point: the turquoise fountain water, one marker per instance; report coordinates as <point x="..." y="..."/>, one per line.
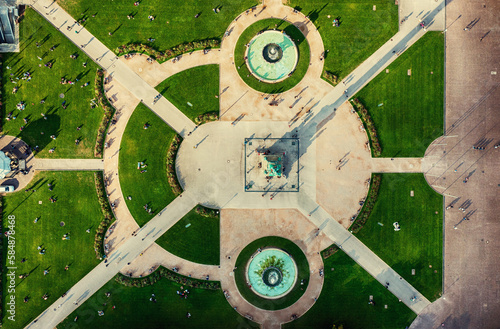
<point x="271" y="273"/>
<point x="271" y="56"/>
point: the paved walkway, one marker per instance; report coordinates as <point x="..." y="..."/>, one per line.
<point x="362" y="255"/>
<point x="68" y="164"/>
<point x="116" y="68"/>
<point x="221" y="191"/>
<point x="130" y="249"/>
<point x="237" y="99"/>
<point x="471" y="280"/>
<point x="238" y="229"/>
<point x="154" y="73"/>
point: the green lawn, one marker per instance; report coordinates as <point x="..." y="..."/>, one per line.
<point x="290" y="30"/>
<point x="360" y="33"/>
<point x="199" y="242"/>
<point x="198" y="86"/>
<point x="344" y="300"/>
<point x="77" y="206"/>
<point x="411" y="116"/>
<point x="302" y="273"/>
<point x="419" y="243"/>
<point x="133" y="309"/>
<point x="149" y="146"/>
<point x="174" y="21"/>
<point x="45" y="85"/>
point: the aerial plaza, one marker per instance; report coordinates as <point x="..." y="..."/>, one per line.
<point x="237" y="164"/>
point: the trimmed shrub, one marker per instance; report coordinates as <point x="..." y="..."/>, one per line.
<point x="107" y="213"/>
<point x="365" y="212"/>
<point x="171" y="174"/>
<point x="369" y="127"/>
<point x="109" y="112"/>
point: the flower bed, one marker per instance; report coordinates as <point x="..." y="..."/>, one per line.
<point x="106" y="211"/>
<point x="369" y="126"/>
<point x="330" y="251"/>
<point x="207" y="212"/>
<point x="206" y="117"/>
<point x="162" y="272"/>
<point x="162" y="56"/>
<point x="109" y="111"/>
<point x="330" y="77"/>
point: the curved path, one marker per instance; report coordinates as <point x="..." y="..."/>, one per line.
<point x="315" y="94"/>
<point x="154" y="73"/>
<point x="237" y="99"/>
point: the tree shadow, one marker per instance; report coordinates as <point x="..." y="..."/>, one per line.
<point x="314" y="14"/>
<point x="32" y="133"/>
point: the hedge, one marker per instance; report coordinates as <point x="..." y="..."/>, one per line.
<point x="107" y="213"/>
<point x="162" y="272"/>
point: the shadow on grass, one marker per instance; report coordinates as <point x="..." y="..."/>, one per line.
<point x="32" y="133"/>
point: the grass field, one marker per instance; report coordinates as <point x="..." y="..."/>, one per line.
<point x="174" y="22"/>
<point x="133" y="309"/>
<point x="198" y="86"/>
<point x="199" y="242"/>
<point x="77" y="206"/>
<point x="149" y="146"/>
<point x="361" y="31"/>
<point x="411" y="116"/>
<point x="45" y="86"/>
<point x="419" y="243"/>
<point x="302" y="273"/>
<point x="344" y="300"/>
<point x="292" y="32"/>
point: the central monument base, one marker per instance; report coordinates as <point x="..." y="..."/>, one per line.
<point x="271" y="164"/>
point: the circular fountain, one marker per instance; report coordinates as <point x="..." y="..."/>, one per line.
<point x="271" y="273"/>
<point x="271" y="56"/>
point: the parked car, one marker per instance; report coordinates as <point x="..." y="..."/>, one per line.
<point x="6" y="188"/>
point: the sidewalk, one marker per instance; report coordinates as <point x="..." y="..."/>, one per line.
<point x="362" y="255"/>
<point x="116" y="68"/>
<point x="131" y="248"/>
<point x="68" y="164"/>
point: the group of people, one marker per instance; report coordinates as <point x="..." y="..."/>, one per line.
<point x="148" y="209"/>
<point x="183" y="293"/>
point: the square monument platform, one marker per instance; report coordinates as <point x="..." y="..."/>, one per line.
<point x="271" y="165"/>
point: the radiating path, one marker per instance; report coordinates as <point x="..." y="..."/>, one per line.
<point x="130" y="249"/>
<point x="396" y="165"/>
<point x="68" y="164"/>
<point x="104" y="57"/>
<point x="362" y="255"/>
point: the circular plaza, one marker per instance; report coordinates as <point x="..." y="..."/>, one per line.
<point x="246" y="193"/>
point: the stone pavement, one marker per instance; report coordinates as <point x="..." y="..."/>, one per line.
<point x="237" y="99"/>
<point x="154" y="73"/>
<point x="240" y="227"/>
<point x="362" y="255"/>
<point x="130" y="249"/>
<point x="124" y="103"/>
<point x="116" y="68"/>
<point x="224" y="185"/>
<point x="471" y="296"/>
<point x="68" y="164"/>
